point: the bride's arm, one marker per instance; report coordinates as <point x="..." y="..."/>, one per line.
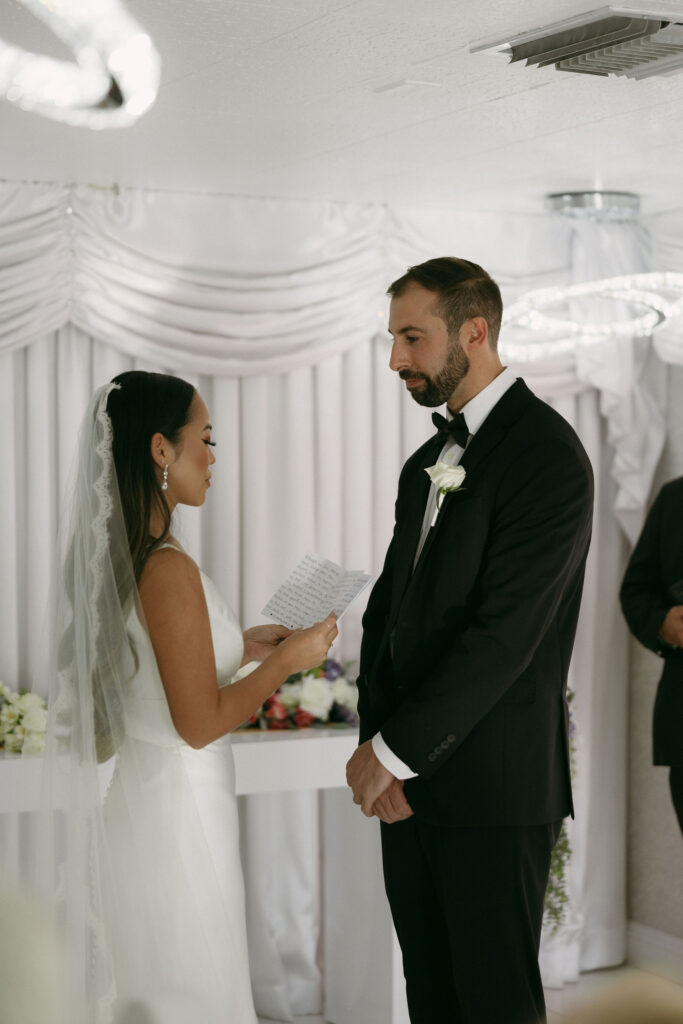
<point x="177" y="619"/>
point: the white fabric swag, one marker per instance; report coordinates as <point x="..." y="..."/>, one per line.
<point x="229" y="288"/>
<point x="276" y="311"/>
<point x="243" y="287"/>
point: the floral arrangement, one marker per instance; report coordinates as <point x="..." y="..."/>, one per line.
<point x="320" y="695"/>
<point x="556" y="896"/>
<point x="23" y="720"/>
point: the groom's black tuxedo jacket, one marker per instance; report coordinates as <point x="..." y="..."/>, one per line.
<point x="464" y="660"/>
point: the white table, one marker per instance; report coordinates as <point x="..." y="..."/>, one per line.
<point x="275" y="761"/>
<point x="265" y="762"/>
<point x="363" y="975"/>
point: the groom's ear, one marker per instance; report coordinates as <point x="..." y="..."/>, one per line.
<point x="474" y="333"/>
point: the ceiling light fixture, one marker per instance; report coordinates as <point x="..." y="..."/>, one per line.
<point x="659" y="294"/>
<point x="114" y="80"/>
<point x="594" y="205"/>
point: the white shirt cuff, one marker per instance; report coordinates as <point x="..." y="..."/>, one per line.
<point x="392" y="763"/>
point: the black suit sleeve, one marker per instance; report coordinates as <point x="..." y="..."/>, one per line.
<point x="377" y="610"/>
<point x="536" y="554"/>
<point x="374" y="623"/>
<point x="643" y="595"/>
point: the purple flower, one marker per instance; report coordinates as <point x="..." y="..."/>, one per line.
<point x="340" y="714"/>
<point x="332" y="669"/>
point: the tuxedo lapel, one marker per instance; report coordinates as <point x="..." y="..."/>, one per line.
<point x="414" y="517"/>
<point x="492" y="431"/>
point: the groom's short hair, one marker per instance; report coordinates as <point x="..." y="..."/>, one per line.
<point x="464" y="289"/>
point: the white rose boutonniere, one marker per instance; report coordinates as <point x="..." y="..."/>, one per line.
<point x="446" y="478"/>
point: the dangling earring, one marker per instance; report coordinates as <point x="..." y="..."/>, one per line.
<point x="164" y="483"/>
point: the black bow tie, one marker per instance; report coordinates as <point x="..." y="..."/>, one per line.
<point x="455" y="428"/>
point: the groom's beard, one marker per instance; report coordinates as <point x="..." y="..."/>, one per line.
<point x="437" y="390"/>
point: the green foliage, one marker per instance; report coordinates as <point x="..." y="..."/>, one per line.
<point x="556" y="897"/>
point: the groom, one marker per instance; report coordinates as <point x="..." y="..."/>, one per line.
<point x="467" y="639"/>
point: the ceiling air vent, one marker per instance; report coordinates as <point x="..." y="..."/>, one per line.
<point x="608" y="41"/>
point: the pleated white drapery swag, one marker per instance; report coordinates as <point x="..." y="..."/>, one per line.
<point x="276" y="311"/>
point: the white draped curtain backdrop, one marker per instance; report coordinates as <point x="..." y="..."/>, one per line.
<point x="276" y="311"/>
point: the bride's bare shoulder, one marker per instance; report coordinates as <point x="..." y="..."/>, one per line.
<point x="166" y="566"/>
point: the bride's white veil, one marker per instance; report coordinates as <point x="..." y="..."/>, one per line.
<point x="92" y="659"/>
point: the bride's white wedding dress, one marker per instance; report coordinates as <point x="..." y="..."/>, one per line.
<point x="174" y="894"/>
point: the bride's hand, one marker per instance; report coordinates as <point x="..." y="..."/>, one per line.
<point x="261" y="641"/>
<point x="307" y="648"/>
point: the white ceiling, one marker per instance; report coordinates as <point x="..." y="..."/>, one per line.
<point x="287" y="98"/>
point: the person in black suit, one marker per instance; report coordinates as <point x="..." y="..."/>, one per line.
<point x="652" y="601"/>
<point x="464" y="751"/>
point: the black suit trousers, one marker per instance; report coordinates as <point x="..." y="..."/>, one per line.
<point x="467" y="905"/>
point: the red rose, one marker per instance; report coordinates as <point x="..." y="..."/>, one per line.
<point x="275" y="708"/>
<point x="304" y="719"/>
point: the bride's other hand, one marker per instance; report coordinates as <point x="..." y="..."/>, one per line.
<point x="307" y="648"/>
<point x="261" y="641"/>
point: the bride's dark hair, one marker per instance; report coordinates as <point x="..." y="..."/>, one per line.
<point x="145" y="404"/>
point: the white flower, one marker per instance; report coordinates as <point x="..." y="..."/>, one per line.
<point x="446" y="478"/>
<point x="316" y="697"/>
<point x="10" y="714"/>
<point x="5" y="692"/>
<point x="290" y="695"/>
<point x="34" y="743"/>
<point x="345" y="694"/>
<point x="29" y="701"/>
<point x="15" y="741"/>
<point x="35" y="720"/>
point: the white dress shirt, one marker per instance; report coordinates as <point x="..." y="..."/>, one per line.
<point x="475" y="412"/>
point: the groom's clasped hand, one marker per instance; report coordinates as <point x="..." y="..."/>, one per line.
<point x="392" y="805"/>
<point x="375" y="788"/>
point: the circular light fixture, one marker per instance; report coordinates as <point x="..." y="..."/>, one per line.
<point x="115" y="77"/>
<point x="660" y="295"/>
<point x="594" y="205"/>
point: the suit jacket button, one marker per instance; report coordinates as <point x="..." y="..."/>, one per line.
<point x="451" y="738"/>
<point x="444" y="745"/>
<point x="431" y="757"/>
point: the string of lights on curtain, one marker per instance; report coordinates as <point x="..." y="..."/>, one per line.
<point x="115" y="76"/>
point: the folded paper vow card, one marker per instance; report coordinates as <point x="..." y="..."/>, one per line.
<point x="313" y="589"/>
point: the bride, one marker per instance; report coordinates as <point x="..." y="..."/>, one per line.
<point x="151" y="895"/>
